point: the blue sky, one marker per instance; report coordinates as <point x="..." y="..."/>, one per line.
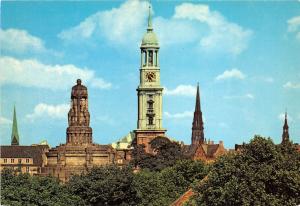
<point x="245" y="56"/>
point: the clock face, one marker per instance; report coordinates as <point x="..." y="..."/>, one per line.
<point x="150" y="76"/>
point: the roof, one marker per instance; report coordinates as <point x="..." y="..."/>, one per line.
<point x="211" y="149"/>
<point x="34" y="152"/>
<point x="125" y="142"/>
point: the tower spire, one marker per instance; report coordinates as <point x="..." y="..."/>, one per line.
<point x="197" y="129"/>
<point x="14" y="132"/>
<point x="285" y="133"/>
<point x="149" y="20"/>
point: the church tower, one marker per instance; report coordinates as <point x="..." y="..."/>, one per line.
<point x="285" y="133"/>
<point x="149" y="91"/>
<point x="79" y="131"/>
<point x="14" y="132"/>
<point x="197" y="129"/>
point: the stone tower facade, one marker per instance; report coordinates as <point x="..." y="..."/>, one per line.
<point x="79" y="131"/>
<point x="79" y="154"/>
<point x="197" y="129"/>
<point x="285" y="133"/>
<point x="149" y="91"/>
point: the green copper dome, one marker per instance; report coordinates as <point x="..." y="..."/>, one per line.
<point x="150" y="38"/>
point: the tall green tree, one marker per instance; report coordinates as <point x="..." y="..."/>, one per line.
<point x="261" y="174"/>
<point x="166" y="154"/>
<point x="23" y="189"/>
<point x="164" y="187"/>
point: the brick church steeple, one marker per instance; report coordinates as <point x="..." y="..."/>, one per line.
<point x="197" y="129"/>
<point x="285" y="133"/>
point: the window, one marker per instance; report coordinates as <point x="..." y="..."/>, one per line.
<point x="12" y="160"/>
<point x="19" y="161"/>
<point x="150" y="58"/>
<point x="150" y="120"/>
<point x="5" y="160"/>
<point x="27" y="160"/>
<point x="27" y="169"/>
<point x="150" y="104"/>
<point x="145" y="58"/>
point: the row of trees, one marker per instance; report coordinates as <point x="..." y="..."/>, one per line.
<point x="262" y="173"/>
<point x="108" y="185"/>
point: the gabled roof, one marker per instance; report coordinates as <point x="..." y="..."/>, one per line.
<point x="15" y="151"/>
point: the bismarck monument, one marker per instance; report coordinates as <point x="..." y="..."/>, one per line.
<point x="79" y="154"/>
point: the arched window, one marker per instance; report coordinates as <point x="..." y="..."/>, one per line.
<point x="150" y="58"/>
<point x="150" y="119"/>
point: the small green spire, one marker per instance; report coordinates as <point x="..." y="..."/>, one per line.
<point x="149" y="20"/>
<point x="15" y="133"/>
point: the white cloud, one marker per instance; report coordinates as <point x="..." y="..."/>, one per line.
<point x="245" y="96"/>
<point x="53" y="111"/>
<point x="181" y="90"/>
<point x="100" y="83"/>
<point x="223" y="35"/>
<point x="32" y="73"/>
<point x="294" y="26"/>
<point x="190" y="23"/>
<point x="185" y="114"/>
<point x="231" y="74"/>
<point x="281" y="117"/>
<point x="5" y="121"/>
<point x="269" y="79"/>
<point x="20" y="41"/>
<point x="122" y="25"/>
<point x="291" y="85"/>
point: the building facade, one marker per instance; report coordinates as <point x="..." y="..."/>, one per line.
<point x="79" y="154"/>
<point x="22" y="159"/>
<point x="149" y="91"/>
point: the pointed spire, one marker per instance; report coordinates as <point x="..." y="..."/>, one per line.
<point x="15" y="133"/>
<point x="197" y="129"/>
<point x="197" y="105"/>
<point x="149" y="20"/>
<point x="285" y="133"/>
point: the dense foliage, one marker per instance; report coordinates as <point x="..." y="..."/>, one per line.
<point x="261" y="174"/>
<point x="112" y="185"/>
<point x="167" y="153"/>
<point x="109" y="185"/>
<point x="164" y="187"/>
<point x="23" y="189"/>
